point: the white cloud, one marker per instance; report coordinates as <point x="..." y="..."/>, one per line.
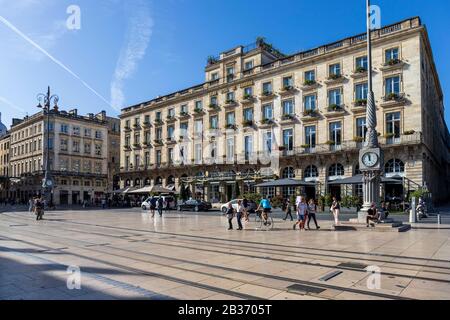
<point x="136" y="42"/>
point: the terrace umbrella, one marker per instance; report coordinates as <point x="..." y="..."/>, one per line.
<point x="358" y="179"/>
<point x="286" y="183"/>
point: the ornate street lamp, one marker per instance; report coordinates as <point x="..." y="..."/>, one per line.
<point x="45" y="100"/>
<point x="371" y="158"/>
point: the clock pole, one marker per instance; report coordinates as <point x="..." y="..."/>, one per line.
<point x="47" y="182"/>
<point x="371" y="157"/>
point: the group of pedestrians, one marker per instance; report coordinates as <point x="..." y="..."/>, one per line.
<point x="305" y="213"/>
<point x="158" y="204"/>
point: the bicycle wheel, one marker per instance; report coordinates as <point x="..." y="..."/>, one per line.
<point x="266" y="225"/>
<point x="258" y="218"/>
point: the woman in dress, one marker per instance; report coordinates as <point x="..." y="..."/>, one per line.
<point x="336" y="209"/>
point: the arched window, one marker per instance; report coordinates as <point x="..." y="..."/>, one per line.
<point x="288" y="172"/>
<point x="311" y="172"/>
<point x="147" y="182"/>
<point x="336" y="170"/>
<point x="137" y="182"/>
<point x="394" y="166"/>
<point x="127" y="183"/>
<point x="158" y="181"/>
<point x="357" y="170"/>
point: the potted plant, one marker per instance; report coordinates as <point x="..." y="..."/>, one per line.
<point x="158" y="122"/>
<point x="230" y="101"/>
<point x="247" y="96"/>
<point x="198" y="110"/>
<point x="309" y="82"/>
<point x="288" y="88"/>
<point x="393" y="62"/>
<point x="288" y="116"/>
<point x="266" y="121"/>
<point x="392" y="96"/>
<point x="409" y="132"/>
<point x="389" y="135"/>
<point x="358" y="139"/>
<point x="330" y="143"/>
<point x="247" y="123"/>
<point x="213" y="105"/>
<point x="267" y="93"/>
<point x="334" y="76"/>
<point x="360" y="69"/>
<point x="183" y="114"/>
<point x="282" y="148"/>
<point x="309" y="113"/>
<point x="230" y="126"/>
<point x="361" y="102"/>
<point x="305" y="146"/>
<point x="211" y="60"/>
<point x="334" y="107"/>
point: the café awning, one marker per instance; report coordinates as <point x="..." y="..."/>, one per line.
<point x="358" y="179"/>
<point x="286" y="183"/>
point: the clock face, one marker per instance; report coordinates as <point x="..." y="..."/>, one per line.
<point x="49" y="183"/>
<point x="370" y="159"/>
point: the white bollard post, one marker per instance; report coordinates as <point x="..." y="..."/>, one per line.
<point x="439" y="219"/>
<point x="412" y="211"/>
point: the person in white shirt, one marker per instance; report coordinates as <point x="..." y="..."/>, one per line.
<point x="239" y="212"/>
<point x="302" y="212"/>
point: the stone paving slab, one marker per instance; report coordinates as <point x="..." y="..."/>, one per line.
<point x="125" y="254"/>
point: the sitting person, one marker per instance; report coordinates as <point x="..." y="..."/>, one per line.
<point x="372" y="214"/>
<point x="384" y="211"/>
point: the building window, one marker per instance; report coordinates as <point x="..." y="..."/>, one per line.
<point x="391" y="55"/>
<point x="127" y="141"/>
<point x="248" y="65"/>
<point x="230" y="74"/>
<point x="98" y="149"/>
<point x="361" y="64"/>
<point x="198" y="127"/>
<point x="336" y="170"/>
<point x="335" y="134"/>
<point x="335" y="70"/>
<point x="361" y="128"/>
<point x="248" y="92"/>
<point x="87" y="148"/>
<point x="248" y="147"/>
<point x="230" y="118"/>
<point x="230" y="97"/>
<point x="214" y="122"/>
<point x="76" y="131"/>
<point x="147" y="137"/>
<point x="288" y="82"/>
<point x="267" y="142"/>
<point x="393" y="126"/>
<point x="214" y="76"/>
<point x="392" y="86"/>
<point x="198" y="105"/>
<point x="171" y="113"/>
<point x="267" y="88"/>
<point x="394" y="167"/>
<point x="184" y="128"/>
<point x="170" y="155"/>
<point x="64" y="128"/>
<point x="288" y="173"/>
<point x="310" y="136"/>
<point x="198" y="153"/>
<point x="76" y="165"/>
<point x="137" y="161"/>
<point x="170" y="132"/>
<point x="288" y="139"/>
<point x="248" y="114"/>
<point x="98" y="134"/>
<point x="310" y="102"/>
<point x="230" y="149"/>
<point x="147" y="159"/>
<point x="361" y="91"/>
<point x="310" y="76"/>
<point x="334" y="97"/>
<point x="64" y="146"/>
<point x="267" y="112"/>
<point x="288" y="107"/>
<point x="311" y="172"/>
<point x="76" y="146"/>
<point x="159" y="134"/>
<point x="184" y="109"/>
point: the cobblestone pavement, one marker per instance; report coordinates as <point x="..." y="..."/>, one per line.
<point x="126" y="254"/>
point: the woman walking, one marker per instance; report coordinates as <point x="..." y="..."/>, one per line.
<point x="336" y="209"/>
<point x="230" y="215"/>
<point x="312" y="210"/>
<point x="240" y="212"/>
<point x="288" y="210"/>
<point x="302" y="210"/>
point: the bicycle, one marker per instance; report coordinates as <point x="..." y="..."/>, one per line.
<point x="264" y="224"/>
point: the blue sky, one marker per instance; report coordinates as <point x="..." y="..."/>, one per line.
<point x="129" y="51"/>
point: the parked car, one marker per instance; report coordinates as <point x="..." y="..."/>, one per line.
<point x="252" y="205"/>
<point x="194" y="205"/>
<point x="146" y="204"/>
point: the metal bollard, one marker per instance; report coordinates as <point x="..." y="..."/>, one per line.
<point x="439" y="219"/>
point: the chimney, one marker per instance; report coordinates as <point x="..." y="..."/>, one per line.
<point x="73" y="112"/>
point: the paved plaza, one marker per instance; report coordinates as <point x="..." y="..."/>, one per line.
<point x="126" y="254"/>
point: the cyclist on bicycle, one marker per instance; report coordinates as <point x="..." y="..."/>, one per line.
<point x="266" y="208"/>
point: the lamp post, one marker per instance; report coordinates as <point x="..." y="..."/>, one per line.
<point x="371" y="159"/>
<point x="45" y="100"/>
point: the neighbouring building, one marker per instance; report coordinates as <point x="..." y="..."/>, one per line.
<point x="82" y="149"/>
<point x="4" y="165"/>
<point x="305" y="110"/>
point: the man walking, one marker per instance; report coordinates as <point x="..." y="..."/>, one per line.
<point x="288" y="210"/>
<point x="160" y="206"/>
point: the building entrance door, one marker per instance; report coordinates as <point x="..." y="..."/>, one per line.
<point x="63" y="197"/>
<point x="335" y="191"/>
<point x="229" y="192"/>
<point x="310" y="192"/>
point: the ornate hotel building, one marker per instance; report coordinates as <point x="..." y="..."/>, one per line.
<point x="305" y="110"/>
<point x="82" y="154"/>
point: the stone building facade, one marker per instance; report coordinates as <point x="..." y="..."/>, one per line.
<point x="80" y="152"/>
<point x="306" y="112"/>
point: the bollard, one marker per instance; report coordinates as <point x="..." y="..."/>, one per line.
<point x="412" y="212"/>
<point x="439" y="219"/>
